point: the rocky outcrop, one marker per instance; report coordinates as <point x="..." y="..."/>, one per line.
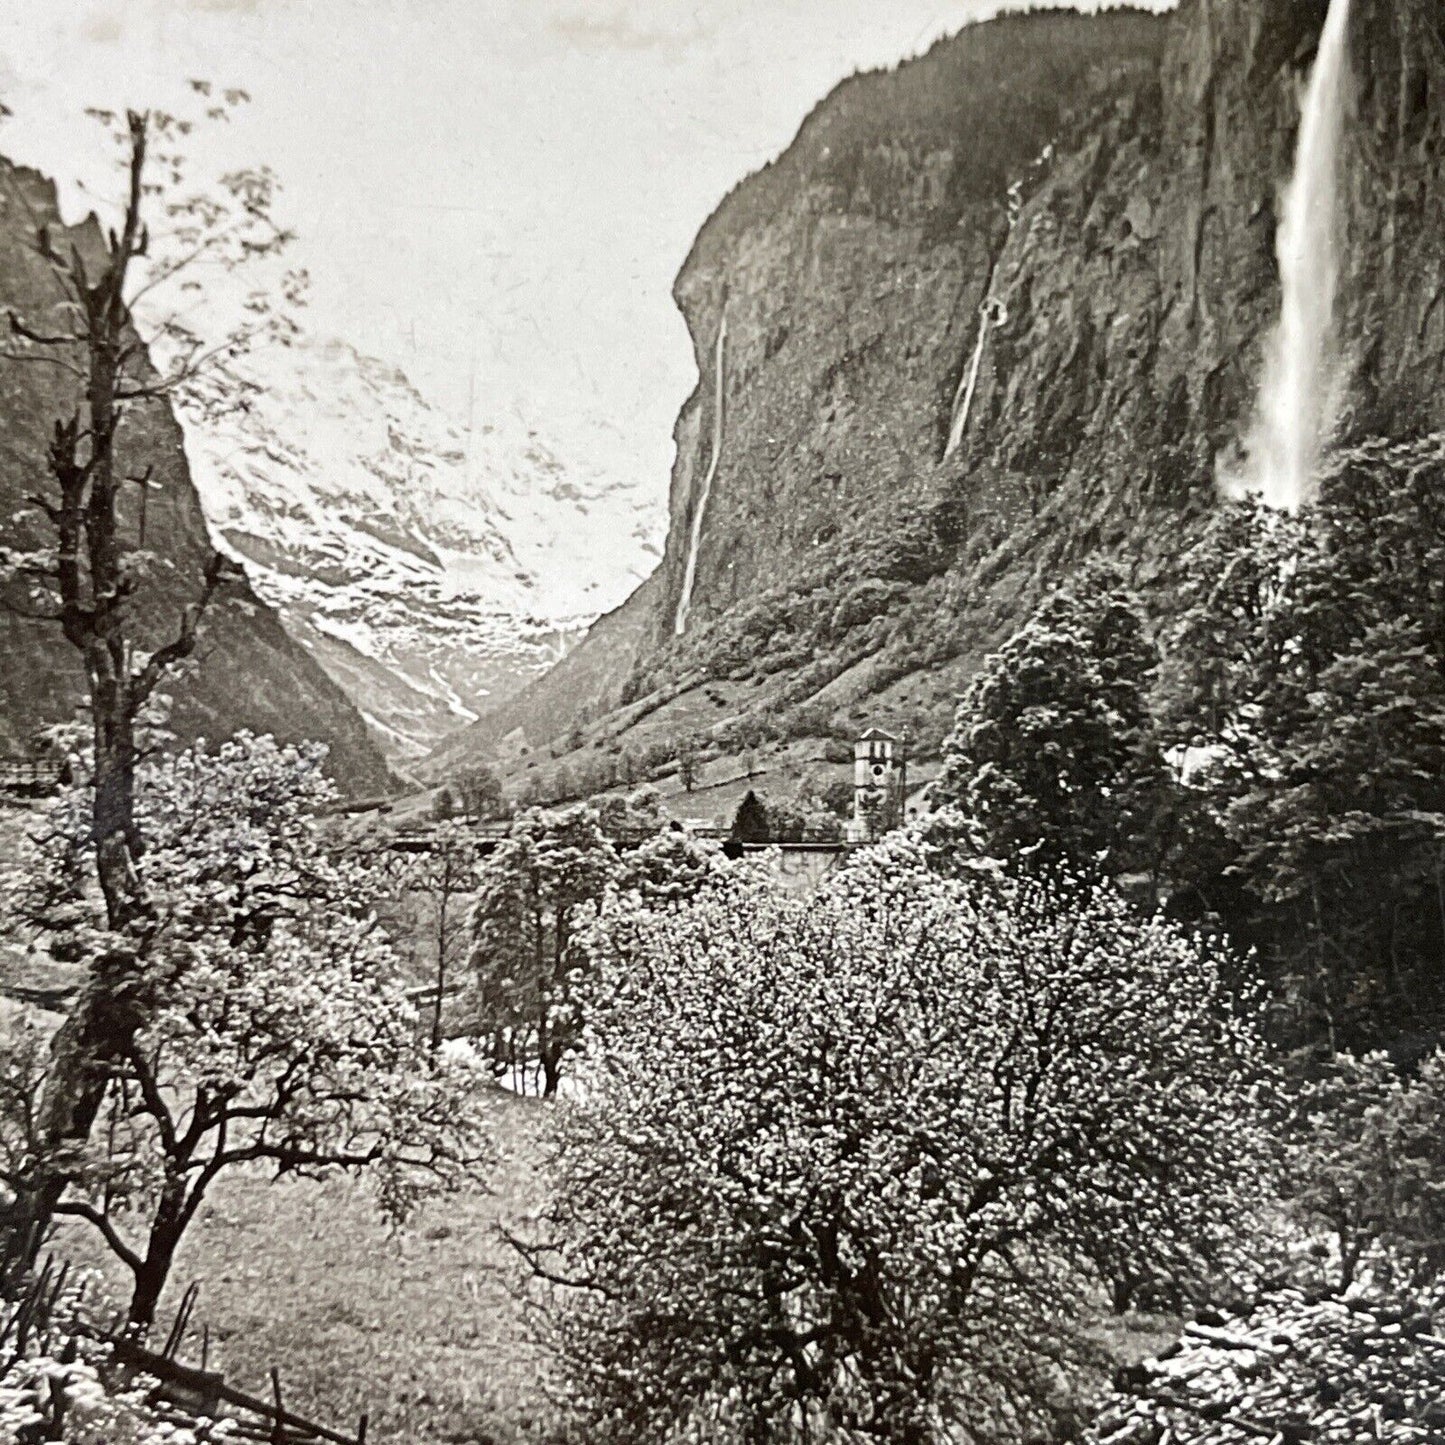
<point x="250" y="674"/>
<point x="1109" y="186"/>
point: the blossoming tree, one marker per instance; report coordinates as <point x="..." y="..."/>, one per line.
<point x="862" y="1165"/>
<point x="67" y="558"/>
<point x="271" y="1027"/>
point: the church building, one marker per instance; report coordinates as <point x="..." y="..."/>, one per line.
<point x="880" y="785"/>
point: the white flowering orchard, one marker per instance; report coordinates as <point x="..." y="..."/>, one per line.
<point x="271" y="1022"/>
<point x="858" y="1166"/>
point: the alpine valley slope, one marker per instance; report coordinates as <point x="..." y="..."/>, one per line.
<point x="250" y="673"/>
<point x="1109" y="187"/>
<point x="428" y="569"/>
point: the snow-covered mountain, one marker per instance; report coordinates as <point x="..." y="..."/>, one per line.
<point x="431" y="571"/>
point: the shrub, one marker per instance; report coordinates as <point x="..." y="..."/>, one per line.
<point x="807" y="719"/>
<point x="478" y="792"/>
<point x="862" y="603"/>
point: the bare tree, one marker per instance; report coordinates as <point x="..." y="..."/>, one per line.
<point x="87" y="577"/>
<point x="446" y="877"/>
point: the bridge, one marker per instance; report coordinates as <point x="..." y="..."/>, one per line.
<point x="799" y="867"/>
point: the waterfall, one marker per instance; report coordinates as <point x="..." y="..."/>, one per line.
<point x="1298" y="398"/>
<point x="699" y="510"/>
<point x="991" y="313"/>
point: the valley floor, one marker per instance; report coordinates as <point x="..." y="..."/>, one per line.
<point x="420" y="1330"/>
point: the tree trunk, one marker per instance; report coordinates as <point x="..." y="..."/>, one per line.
<point x="150" y="1280"/>
<point x="173" y="1213"/>
<point x="436" y="1022"/>
<point x="100" y="1027"/>
<point x="551" y="1071"/>
<point x="106" y="1015"/>
<point x="94" y="589"/>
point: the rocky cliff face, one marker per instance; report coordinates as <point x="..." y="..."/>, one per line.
<point x="1108" y="189"/>
<point x="250" y="673"/>
<point x="852" y="273"/>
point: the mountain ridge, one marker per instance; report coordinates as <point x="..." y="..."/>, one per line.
<point x="428" y="567"/>
<point x="249" y="673"/>
<point x="1108" y="188"/>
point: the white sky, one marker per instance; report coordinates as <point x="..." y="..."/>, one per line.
<point x="493" y="194"/>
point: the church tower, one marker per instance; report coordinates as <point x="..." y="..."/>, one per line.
<point x="879" y="782"/>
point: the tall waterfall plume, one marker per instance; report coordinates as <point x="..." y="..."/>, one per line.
<point x="1299" y="396"/>
<point x="699" y="510"/>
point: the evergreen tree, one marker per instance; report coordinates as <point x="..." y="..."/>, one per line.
<point x="531" y="894"/>
<point x="1052" y="755"/>
<point x="535" y="896"/>
<point x="1308" y="675"/>
<point x="479" y="792"/>
<point x="689" y="761"/>
<point x="750" y="822"/>
<point x="1344" y="837"/>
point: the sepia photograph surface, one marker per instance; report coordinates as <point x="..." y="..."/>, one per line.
<point x="722" y="722"/>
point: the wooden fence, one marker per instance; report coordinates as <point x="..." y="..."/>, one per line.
<point x="183" y="1393"/>
<point x="28" y="778"/>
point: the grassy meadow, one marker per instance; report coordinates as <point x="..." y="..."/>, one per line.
<point x="419" y="1329"/>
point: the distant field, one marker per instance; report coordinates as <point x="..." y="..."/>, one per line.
<point x="420" y="1330"/>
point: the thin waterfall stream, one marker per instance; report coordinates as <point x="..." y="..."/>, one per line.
<point x="699" y="511"/>
<point x="993" y="313"/>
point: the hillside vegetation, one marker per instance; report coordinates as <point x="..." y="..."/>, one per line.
<point x="1112" y="185"/>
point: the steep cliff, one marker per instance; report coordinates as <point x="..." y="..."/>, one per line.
<point x="250" y="673"/>
<point x="1084" y="209"/>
